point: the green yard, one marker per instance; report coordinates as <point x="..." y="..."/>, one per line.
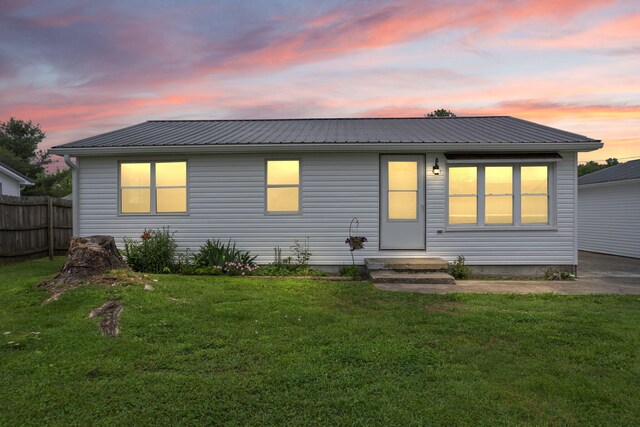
<point x="253" y="351"/>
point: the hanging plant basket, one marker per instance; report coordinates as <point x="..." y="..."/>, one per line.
<point x="354" y="240"/>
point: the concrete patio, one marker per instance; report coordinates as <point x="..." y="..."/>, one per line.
<point x="597" y="274"/>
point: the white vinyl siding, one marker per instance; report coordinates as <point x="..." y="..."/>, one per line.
<point x="609" y="218"/>
<point x="10" y="187"/>
<point x="226" y="201"/>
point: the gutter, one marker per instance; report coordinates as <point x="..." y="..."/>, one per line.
<point x="331" y="147"/>
<point x="75" y="193"/>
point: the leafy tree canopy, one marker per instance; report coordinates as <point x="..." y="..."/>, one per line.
<point x="19" y="147"/>
<point x="19" y="141"/>
<point x="441" y="113"/>
<point x="592" y="166"/>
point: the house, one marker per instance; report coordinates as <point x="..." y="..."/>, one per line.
<point x="11" y="181"/>
<point x="609" y="210"/>
<point x="499" y="190"/>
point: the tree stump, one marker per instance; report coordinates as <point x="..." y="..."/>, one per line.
<point x="87" y="257"/>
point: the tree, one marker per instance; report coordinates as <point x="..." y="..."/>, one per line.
<point x="55" y="184"/>
<point x="19" y="147"/>
<point x="441" y="113"/>
<point x="19" y="142"/>
<point x="592" y="166"/>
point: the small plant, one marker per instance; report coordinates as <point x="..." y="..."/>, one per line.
<point x="555" y="274"/>
<point x="356" y="242"/>
<point x="153" y="253"/>
<point x="301" y="252"/>
<point x="296" y="265"/>
<point x="352" y="271"/>
<point x="215" y="253"/>
<point x="458" y="269"/>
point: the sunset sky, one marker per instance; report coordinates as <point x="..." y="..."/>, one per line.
<point x="83" y="68"/>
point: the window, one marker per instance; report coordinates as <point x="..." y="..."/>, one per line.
<point x="153" y="187"/>
<point x="535" y="194"/>
<point x="499" y="195"/>
<point x="135" y="183"/>
<point x="403" y="190"/>
<point x="283" y="186"/>
<point x="171" y="187"/>
<point x="463" y="195"/>
<point x="498" y="190"/>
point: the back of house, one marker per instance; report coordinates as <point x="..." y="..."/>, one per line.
<point x="499" y="190"/>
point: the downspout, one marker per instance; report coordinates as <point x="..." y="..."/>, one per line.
<point x="75" y="194"/>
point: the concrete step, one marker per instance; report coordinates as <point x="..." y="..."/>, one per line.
<point x="407" y="264"/>
<point x="431" y="278"/>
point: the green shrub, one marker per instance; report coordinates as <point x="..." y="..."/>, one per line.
<point x="352" y="271"/>
<point x="153" y="253"/>
<point x="555" y="274"/>
<point x="458" y="269"/>
<point x="226" y="257"/>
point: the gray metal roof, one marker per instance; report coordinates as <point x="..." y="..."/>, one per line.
<point x="621" y="172"/>
<point x="494" y="129"/>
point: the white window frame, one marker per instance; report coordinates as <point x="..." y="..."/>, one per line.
<point x="152" y="188"/>
<point x="267" y="186"/>
<point x="516" y="199"/>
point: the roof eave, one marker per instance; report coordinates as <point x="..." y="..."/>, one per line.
<point x="342" y="147"/>
<point x="605" y="183"/>
<point x="22" y="180"/>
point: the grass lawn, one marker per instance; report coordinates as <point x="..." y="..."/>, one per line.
<point x="216" y="350"/>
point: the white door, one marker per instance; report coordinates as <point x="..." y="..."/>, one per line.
<point x="402" y="210"/>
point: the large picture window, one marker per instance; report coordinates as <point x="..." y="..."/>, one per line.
<point x="498" y="195"/>
<point x="153" y="187"/>
<point x="283" y="186"/>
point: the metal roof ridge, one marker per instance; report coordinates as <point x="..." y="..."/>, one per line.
<point x="326" y="119"/>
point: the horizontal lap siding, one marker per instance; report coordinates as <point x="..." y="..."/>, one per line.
<point x="505" y="247"/>
<point x="10" y="187"/>
<point x="609" y="219"/>
<point x="226" y="201"/>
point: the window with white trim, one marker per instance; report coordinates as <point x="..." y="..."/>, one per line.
<point x="498" y="195"/>
<point x="283" y="186"/>
<point x="153" y="187"/>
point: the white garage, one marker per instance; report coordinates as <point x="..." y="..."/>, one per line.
<point x="609" y="210"/>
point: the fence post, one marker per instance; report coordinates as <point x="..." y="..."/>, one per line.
<point x="50" y="226"/>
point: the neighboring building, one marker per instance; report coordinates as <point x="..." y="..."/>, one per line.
<point x="609" y="210"/>
<point x="499" y="190"/>
<point x="11" y="181"/>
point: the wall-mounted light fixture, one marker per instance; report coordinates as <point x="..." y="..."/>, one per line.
<point x="436" y="168"/>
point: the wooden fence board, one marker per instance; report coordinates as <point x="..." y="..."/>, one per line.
<point x="33" y="227"/>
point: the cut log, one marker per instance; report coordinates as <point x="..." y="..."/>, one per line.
<point x="87" y="257"/>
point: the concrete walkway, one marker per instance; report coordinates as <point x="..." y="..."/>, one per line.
<point x="598" y="274"/>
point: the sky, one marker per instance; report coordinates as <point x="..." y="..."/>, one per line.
<point x="84" y="68"/>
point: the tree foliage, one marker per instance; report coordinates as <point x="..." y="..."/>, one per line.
<point x="19" y="150"/>
<point x="441" y="112"/>
<point x="592" y="166"/>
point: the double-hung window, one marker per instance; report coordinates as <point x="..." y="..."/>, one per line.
<point x="153" y="187"/>
<point x="283" y="186"/>
<point x="498" y="195"/>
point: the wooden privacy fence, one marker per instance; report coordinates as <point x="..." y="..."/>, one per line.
<point x="33" y="227"/>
